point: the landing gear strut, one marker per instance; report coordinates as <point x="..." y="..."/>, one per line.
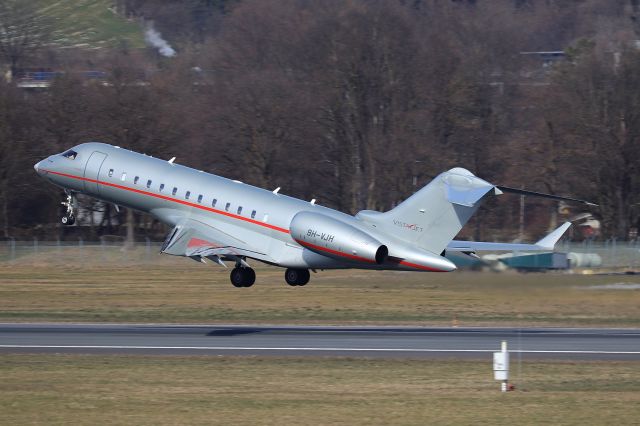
<point x="69" y="217"/>
<point x="242" y="277"/>
<point x="297" y="277"/>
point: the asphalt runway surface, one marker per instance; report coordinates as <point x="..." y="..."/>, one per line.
<point x="261" y="340"/>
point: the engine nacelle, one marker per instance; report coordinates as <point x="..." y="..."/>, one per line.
<point x="334" y="238"/>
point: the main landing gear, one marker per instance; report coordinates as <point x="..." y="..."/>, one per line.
<point x="69" y="217"/>
<point x="243" y="277"/>
<point x="297" y="277"/>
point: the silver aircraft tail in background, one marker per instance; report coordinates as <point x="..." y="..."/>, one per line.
<point x="222" y="220"/>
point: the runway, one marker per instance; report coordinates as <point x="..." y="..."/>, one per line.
<point x="261" y="340"/>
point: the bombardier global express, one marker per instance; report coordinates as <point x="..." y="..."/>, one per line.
<point x="222" y="220"/>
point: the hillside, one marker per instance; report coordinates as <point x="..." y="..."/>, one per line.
<point x="91" y="24"/>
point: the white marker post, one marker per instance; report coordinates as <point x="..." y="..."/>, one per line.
<point x="501" y="366"/>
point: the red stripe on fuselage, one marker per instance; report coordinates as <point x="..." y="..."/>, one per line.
<point x="234" y="216"/>
<point x="336" y="252"/>
<point x="164" y="197"/>
<point x="416" y="266"/>
<point x="363" y="259"/>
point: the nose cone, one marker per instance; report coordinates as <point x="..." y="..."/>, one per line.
<point x="40" y="168"/>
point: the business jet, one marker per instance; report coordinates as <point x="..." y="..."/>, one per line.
<point x="225" y="220"/>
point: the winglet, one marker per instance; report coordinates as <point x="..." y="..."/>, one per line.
<point x="550" y="240"/>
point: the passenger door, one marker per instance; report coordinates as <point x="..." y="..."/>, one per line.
<point x="92" y="170"/>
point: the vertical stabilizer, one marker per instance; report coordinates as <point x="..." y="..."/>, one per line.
<point x="434" y="215"/>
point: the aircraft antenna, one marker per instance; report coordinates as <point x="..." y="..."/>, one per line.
<point x="172" y="160"/>
<point x="275" y="191"/>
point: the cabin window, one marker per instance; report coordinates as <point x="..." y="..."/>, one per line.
<point x="124" y="176"/>
<point x="175" y="191"/>
<point x="71" y="154"/>
<point x="240" y="210"/>
<point x="226" y="208"/>
<point x="253" y="214"/>
<point x="200" y="198"/>
<point x="149" y="183"/>
<point x="110" y="172"/>
<point x="213" y="203"/>
<point x="187" y="195"/>
<point x="161" y="187"/>
<point x="136" y="179"/>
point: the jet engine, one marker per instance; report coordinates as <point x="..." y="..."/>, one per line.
<point x="334" y="238"/>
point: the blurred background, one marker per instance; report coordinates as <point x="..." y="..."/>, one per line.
<point x="356" y="103"/>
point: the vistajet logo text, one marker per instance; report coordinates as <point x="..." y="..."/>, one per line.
<point x="409" y="226"/>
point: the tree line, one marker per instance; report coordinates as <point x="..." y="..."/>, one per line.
<point x="356" y="103"/>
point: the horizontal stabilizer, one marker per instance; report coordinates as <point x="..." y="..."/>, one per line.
<point x="541" y="195"/>
<point x="545" y="244"/>
<point x="550" y="240"/>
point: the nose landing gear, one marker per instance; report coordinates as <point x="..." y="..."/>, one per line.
<point x="69" y="217"/>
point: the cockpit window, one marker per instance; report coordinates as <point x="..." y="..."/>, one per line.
<point x="71" y="154"/>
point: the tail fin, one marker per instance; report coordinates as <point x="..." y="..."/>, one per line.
<point x="434" y="215"/>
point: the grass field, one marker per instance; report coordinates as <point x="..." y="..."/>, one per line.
<point x="91" y="24"/>
<point x="100" y="285"/>
<point x="180" y="290"/>
<point x="75" y="389"/>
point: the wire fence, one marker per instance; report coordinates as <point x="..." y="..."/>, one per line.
<point x="610" y="254"/>
<point x="81" y="252"/>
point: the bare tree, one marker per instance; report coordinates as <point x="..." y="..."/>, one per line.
<point x="595" y="108"/>
<point x="23" y="30"/>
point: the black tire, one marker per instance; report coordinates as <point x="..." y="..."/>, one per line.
<point x="249" y="276"/>
<point x="68" y="220"/>
<point x="242" y="277"/>
<point x="304" y="277"/>
<point x="237" y="277"/>
<point x="291" y="277"/>
<point x="296" y="277"/>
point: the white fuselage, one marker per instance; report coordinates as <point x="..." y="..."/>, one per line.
<point x="258" y="218"/>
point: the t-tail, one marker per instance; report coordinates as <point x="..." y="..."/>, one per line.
<point x="434" y="215"/>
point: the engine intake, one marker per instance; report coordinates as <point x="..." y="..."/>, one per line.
<point x="334" y="238"/>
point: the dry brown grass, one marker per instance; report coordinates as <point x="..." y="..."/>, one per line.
<point x="77" y="389"/>
<point x="183" y="291"/>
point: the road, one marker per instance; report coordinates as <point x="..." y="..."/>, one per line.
<point x="265" y="340"/>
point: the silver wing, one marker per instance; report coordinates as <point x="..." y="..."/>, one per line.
<point x="197" y="240"/>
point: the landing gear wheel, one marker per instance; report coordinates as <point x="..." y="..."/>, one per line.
<point x="297" y="277"/>
<point x="242" y="277"/>
<point x="250" y="277"/>
<point x="68" y="220"/>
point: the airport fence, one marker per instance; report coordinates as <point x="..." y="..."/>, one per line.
<point x="608" y="254"/>
<point x="611" y="254"/>
<point x="80" y="251"/>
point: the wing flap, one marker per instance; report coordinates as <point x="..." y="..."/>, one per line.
<point x="197" y="240"/>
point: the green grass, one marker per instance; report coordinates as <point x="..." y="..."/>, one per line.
<point x="84" y="389"/>
<point x="91" y="24"/>
<point x="94" y="287"/>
